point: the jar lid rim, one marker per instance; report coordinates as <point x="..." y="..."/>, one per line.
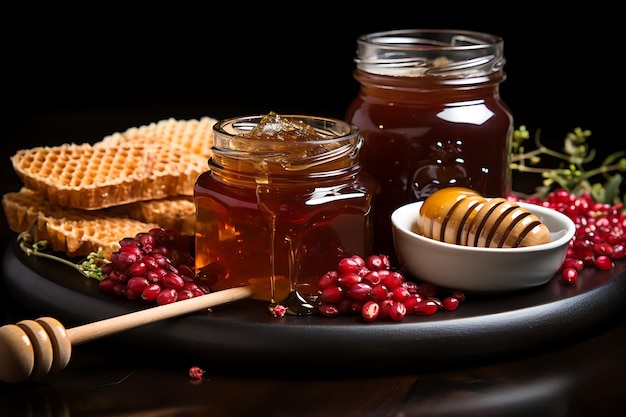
<point x="441" y="39"/>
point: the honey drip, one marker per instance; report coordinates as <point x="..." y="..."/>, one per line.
<point x="295" y="303"/>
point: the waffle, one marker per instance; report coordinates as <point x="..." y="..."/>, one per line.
<point x="82" y="198"/>
<point x="22" y="210"/>
<point x="71" y="231"/>
<point x="196" y="136"/>
<point x="176" y="213"/>
<point x="94" y="177"/>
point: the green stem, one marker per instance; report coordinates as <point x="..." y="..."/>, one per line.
<point x="29" y="251"/>
<point x="89" y="268"/>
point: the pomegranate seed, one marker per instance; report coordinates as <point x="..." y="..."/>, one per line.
<point x="328" y="310"/>
<point x="360" y="291"/>
<point x="106" y="285"/>
<point x="195" y="289"/>
<point x="400" y="293"/>
<point x="370" y="311"/>
<point x="137" y="284"/>
<point x="385" y="306"/>
<point x="151" y="292"/>
<point x="373" y="277"/>
<point x="349" y="266"/>
<point x="359" y="261"/>
<point x="603" y="263"/>
<point x="196" y="372"/>
<point x="332" y="294"/>
<point x="122" y="260"/>
<point x="130" y="294"/>
<point x="108" y="268"/>
<point x="160" y="272"/>
<point x="569" y="275"/>
<point x="138" y="269"/>
<point x="410" y="303"/>
<point x="379" y="292"/>
<point x="130" y="249"/>
<point x="150" y="262"/>
<point x="560" y="196"/>
<point x="450" y="303"/>
<point x="153" y="277"/>
<point x="118" y="289"/>
<point x="619" y="251"/>
<point x="348" y="279"/>
<point x="577" y="264"/>
<point x="128" y="241"/>
<point x="171" y="280"/>
<point x="426" y="307"/>
<point x="147" y="242"/>
<point x="328" y="279"/>
<point x="279" y="310"/>
<point x="410" y="286"/>
<point x="377" y="262"/>
<point x="397" y="311"/>
<point x="167" y="296"/>
<point x="603" y="248"/>
<point x="393" y="280"/>
<point x="184" y="294"/>
<point x="364" y="271"/>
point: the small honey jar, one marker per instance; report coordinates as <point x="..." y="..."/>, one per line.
<point x="283" y="201"/>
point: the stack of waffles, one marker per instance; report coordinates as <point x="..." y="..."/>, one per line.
<point x="85" y="198"/>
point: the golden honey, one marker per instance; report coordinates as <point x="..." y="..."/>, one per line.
<point x="430" y="111"/>
<point x="283" y="200"/>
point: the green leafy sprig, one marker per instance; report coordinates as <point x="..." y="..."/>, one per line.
<point x="90" y="267"/>
<point x="602" y="182"/>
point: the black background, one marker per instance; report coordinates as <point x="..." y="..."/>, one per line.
<point x="77" y="75"/>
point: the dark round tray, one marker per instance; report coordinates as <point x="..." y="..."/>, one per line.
<point x="484" y="327"/>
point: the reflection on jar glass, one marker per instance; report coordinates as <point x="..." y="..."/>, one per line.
<point x="431" y="115"/>
<point x="284" y="200"/>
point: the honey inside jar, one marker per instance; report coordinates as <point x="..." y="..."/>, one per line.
<point x="284" y="200"/>
<point x="430" y="111"/>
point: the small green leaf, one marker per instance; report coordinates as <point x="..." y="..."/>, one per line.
<point x="572" y="174"/>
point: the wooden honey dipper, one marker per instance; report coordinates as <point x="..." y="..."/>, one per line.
<point x="32" y="348"/>
<point x="462" y="216"/>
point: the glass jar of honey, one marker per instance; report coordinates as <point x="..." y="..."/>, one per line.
<point x="431" y="115"/>
<point x="283" y="201"/>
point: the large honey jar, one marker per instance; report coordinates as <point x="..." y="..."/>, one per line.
<point x="283" y="201"/>
<point x="430" y="112"/>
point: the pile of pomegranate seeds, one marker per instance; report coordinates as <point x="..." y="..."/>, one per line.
<point x="371" y="289"/>
<point x="600" y="236"/>
<point x="156" y="266"/>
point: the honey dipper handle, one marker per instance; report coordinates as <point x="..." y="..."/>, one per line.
<point x="95" y="330"/>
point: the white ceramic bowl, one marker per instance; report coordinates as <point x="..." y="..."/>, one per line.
<point x="473" y="269"/>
